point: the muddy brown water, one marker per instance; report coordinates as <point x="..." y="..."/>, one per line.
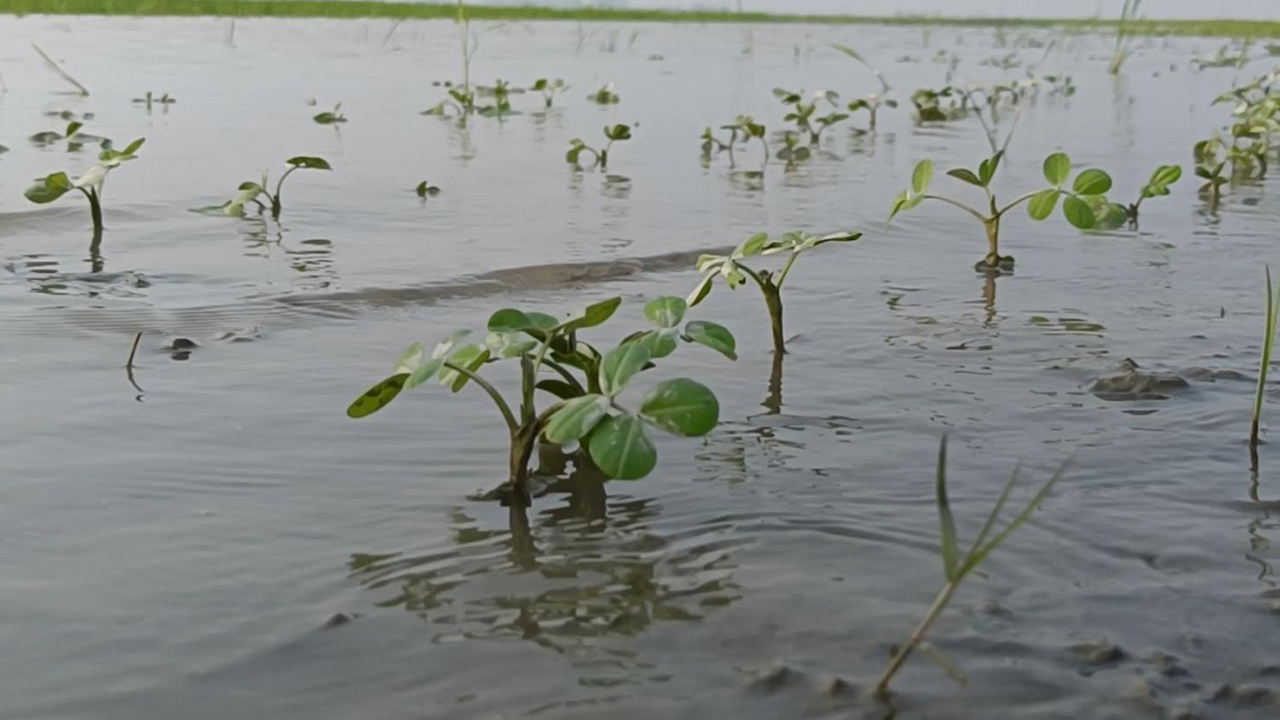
<point x="180" y="551"/>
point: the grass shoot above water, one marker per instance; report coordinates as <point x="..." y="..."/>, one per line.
<point x="1268" y="342"/>
<point x="956" y="568"/>
<point x="449" y="10"/>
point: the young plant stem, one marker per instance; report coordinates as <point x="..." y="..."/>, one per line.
<point x="493" y="393"/>
<point x="772" y="292"/>
<point x="95" y="210"/>
<point x="275" y="199"/>
<point x="917" y="637"/>
<point x="1268" y="342"/>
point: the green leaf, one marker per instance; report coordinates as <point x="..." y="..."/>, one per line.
<point x="980" y="551"/>
<point x="717" y="337"/>
<point x="848" y="51"/>
<point x="1092" y="182"/>
<point x="1057" y="168"/>
<point x="950" y="548"/>
<point x="966" y="175"/>
<point x="559" y="388"/>
<point x="1043" y="203"/>
<point x="377" y="397"/>
<point x="661" y="343"/>
<point x="508" y="320"/>
<point x="987" y="168"/>
<point x="542" y="321"/>
<point x="842" y="237"/>
<point x="620" y="365"/>
<point x="133" y="147"/>
<point x="470" y="357"/>
<point x="577" y="417"/>
<point x="592" y="316"/>
<point x="617" y="132"/>
<point x="681" y="406"/>
<point x="702" y="290"/>
<point x="666" y="311"/>
<point x="508" y="344"/>
<point x="922" y="176"/>
<point x="73" y="128"/>
<point x="751" y="246"/>
<point x="621" y="448"/>
<point x="310" y="163"/>
<point x="48" y="189"/>
<point x="1078" y="213"/>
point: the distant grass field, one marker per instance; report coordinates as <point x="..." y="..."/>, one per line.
<point x="355" y="9"/>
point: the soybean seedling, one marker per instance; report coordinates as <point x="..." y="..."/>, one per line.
<point x="584" y="382"/>
<point x="250" y="192"/>
<point x="743" y="129"/>
<point x="937" y="105"/>
<point x="331" y="117"/>
<point x="956" y="567"/>
<point x="805" y="113"/>
<point x="426" y="190"/>
<point x="501" y="92"/>
<point x="47" y="189"/>
<point x="1040" y="203"/>
<point x="72" y="136"/>
<point x="735" y="272"/>
<point x="792" y="151"/>
<point x="872" y="104"/>
<point x="461" y="102"/>
<point x="549" y="89"/>
<point x="150" y="99"/>
<point x="605" y="96"/>
<point x="612" y="133"/>
<point x="1112" y="215"/>
<point x="1210" y="167"/>
<point x="1268" y="342"/>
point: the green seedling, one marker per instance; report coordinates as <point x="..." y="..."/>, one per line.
<point x="68" y="115"/>
<point x="605" y="96"/>
<point x="150" y="99"/>
<point x="1006" y="62"/>
<point x="331" y="117"/>
<point x="742" y="130"/>
<point x="872" y="104"/>
<point x="461" y="103"/>
<point x="74" y="139"/>
<point x="250" y="192"/>
<point x="805" y="113"/>
<point x="735" y="272"/>
<point x="1121" y="52"/>
<point x="47" y="189"/>
<point x="956" y="567"/>
<point x="612" y="133"/>
<point x="1089" y="184"/>
<point x="501" y="92"/>
<point x="426" y="190"/>
<point x="792" y="151"/>
<point x="1210" y="167"/>
<point x="939" y="105"/>
<point x="1268" y="342"/>
<point x="1225" y="57"/>
<point x="584" y="382"/>
<point x="549" y="89"/>
<point x="1112" y="215"/>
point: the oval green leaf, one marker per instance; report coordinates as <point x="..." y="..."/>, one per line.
<point x="702" y="290"/>
<point x="509" y="320"/>
<point x="310" y="163"/>
<point x="1078" y="213"/>
<point x="666" y="311"/>
<point x="576" y="418"/>
<point x="592" y="316"/>
<point x="922" y="176"/>
<point x="377" y="397"/>
<point x="1092" y="182"/>
<point x="966" y="175"/>
<point x="751" y="246"/>
<point x="715" y="336"/>
<point x="621" y="364"/>
<point x="48" y="189"/>
<point x="1057" y="168"/>
<point x="1042" y="204"/>
<point x="681" y="406"/>
<point x="621" y="448"/>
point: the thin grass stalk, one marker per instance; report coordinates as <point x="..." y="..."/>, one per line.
<point x="1268" y="342"/>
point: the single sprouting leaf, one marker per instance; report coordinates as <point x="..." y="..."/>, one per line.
<point x="48" y="189"/>
<point x="1078" y="213"/>
<point x="966" y="175"/>
<point x="592" y="316"/>
<point x="987" y="168"/>
<point x="1166" y="175"/>
<point x="702" y="290"/>
<point x="469" y="357"/>
<point x="509" y="320"/>
<point x="620" y="365"/>
<point x="848" y="51"/>
<point x="577" y="417"/>
<point x="681" y="406"/>
<point x="717" y="337"/>
<point x="946" y="521"/>
<point x="1057" y="168"/>
<point x="133" y="147"/>
<point x="666" y="311"/>
<point x="621" y="448"/>
<point x="922" y="176"/>
<point x="559" y="388"/>
<point x="1092" y="182"/>
<point x="310" y="163"/>
<point x="1043" y="203"/>
<point x="377" y="397"/>
<point x="751" y="246"/>
<point x="618" y="132"/>
<point x="841" y="237"/>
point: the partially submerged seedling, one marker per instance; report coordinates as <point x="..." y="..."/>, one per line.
<point x="501" y="92"/>
<point x="612" y="133"/>
<point x="955" y="567"/>
<point x="732" y="268"/>
<point x="250" y="192"/>
<point x="804" y="113"/>
<point x="585" y="382"/>
<point x="50" y="188"/>
<point x="1112" y="215"/>
<point x="605" y="96"/>
<point x="1210" y="167"/>
<point x="1268" y="342"/>
<point x="331" y="117"/>
<point x="426" y="190"/>
<point x="941" y="105"/>
<point x="72" y="136"/>
<point x="549" y="89"/>
<point x="150" y="99"/>
<point x="792" y="151"/>
<point x="1076" y="207"/>
<point x="872" y="104"/>
<point x="742" y="130"/>
<point x="461" y="103"/>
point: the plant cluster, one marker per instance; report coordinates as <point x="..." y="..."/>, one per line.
<point x="549" y="89"/>
<point x="742" y="130"/>
<point x="331" y="117"/>
<point x="599" y="157"/>
<point x="1241" y="151"/>
<point x="51" y="187"/>
<point x="804" y="112"/>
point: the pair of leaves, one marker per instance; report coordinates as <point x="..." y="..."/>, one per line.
<point x="309" y="163"/>
<point x="414" y="367"/>
<point x="617" y="132"/>
<point x="426" y="189"/>
<point x="1161" y="179"/>
<point x="986" y="171"/>
<point x="541" y="325"/>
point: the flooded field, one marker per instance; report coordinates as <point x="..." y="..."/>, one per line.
<point x="214" y="537"/>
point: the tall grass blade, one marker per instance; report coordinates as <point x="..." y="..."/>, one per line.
<point x="1268" y="342"/>
<point x="975" y="558"/>
<point x="950" y="550"/>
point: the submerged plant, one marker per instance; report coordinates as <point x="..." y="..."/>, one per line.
<point x="735" y="272"/>
<point x="1113" y="215"/>
<point x="584" y="382"/>
<point x="501" y="92"/>
<point x="426" y="189"/>
<point x="742" y="130"/>
<point x="1268" y="342"/>
<point x="805" y="113"/>
<point x="149" y="99"/>
<point x="792" y="151"/>
<point x="47" y="189"/>
<point x="549" y="89"/>
<point x="956" y="567"/>
<point x="939" y="105"/>
<point x="1076" y="207"/>
<point x="72" y="136"/>
<point x="250" y="192"/>
<point x="331" y="117"/>
<point x="872" y="104"/>
<point x="612" y="133"/>
<point x="605" y="96"/>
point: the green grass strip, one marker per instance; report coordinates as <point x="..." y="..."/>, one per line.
<point x="445" y="10"/>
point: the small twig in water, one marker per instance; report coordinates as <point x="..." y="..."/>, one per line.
<point x="128" y="366"/>
<point x="63" y="73"/>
